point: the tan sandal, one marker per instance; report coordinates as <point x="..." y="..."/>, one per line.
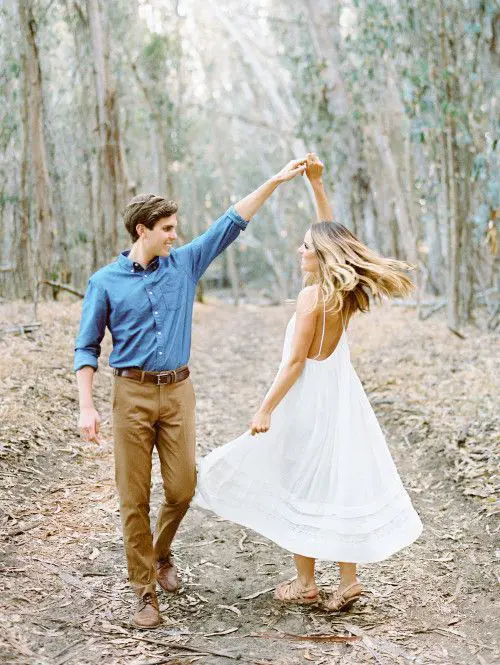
<point x="340" y="601"/>
<point x="293" y="592"/>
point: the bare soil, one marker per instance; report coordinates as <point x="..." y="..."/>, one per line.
<point x="64" y="592"/>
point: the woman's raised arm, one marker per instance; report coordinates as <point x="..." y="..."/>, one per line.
<point x="314" y="171"/>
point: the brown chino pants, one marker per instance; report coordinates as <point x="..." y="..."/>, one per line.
<point x="144" y="416"/>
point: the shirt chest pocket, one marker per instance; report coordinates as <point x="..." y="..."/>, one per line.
<point x="171" y="291"/>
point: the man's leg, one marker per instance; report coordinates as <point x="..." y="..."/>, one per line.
<point x="135" y="411"/>
<point x="176" y="442"/>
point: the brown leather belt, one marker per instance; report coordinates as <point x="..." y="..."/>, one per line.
<point x="159" y="378"/>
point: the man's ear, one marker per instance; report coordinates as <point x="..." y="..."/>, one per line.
<point x="140" y="229"/>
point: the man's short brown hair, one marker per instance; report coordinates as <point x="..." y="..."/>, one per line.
<point x="146" y="209"/>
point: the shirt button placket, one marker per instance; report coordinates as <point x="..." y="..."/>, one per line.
<point x="156" y="315"/>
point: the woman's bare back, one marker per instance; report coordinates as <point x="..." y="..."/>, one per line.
<point x="333" y="326"/>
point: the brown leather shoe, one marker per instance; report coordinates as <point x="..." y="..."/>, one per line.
<point x="166" y="574"/>
<point x="147" y="614"/>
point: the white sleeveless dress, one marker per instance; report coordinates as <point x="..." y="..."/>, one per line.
<point x="321" y="482"/>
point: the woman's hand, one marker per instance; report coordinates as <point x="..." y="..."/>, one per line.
<point x="315" y="167"/>
<point x="261" y="422"/>
<point x="292" y="169"/>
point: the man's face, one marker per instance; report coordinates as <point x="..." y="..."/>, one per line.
<point x="158" y="241"/>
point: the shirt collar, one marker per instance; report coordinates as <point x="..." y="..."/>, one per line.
<point x="127" y="263"/>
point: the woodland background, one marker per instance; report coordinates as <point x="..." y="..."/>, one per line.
<point x="201" y="100"/>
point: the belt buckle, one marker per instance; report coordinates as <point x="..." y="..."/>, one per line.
<point x="160" y="375"/>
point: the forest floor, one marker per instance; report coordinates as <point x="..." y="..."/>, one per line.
<point x="64" y="593"/>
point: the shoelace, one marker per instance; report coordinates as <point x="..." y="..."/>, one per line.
<point x="146" y="600"/>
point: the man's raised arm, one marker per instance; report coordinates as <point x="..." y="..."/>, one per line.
<point x="199" y="253"/>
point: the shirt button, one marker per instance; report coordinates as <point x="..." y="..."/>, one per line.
<point x="159" y="333"/>
<point x="160" y="353"/>
<point x="156" y="312"/>
<point x="150" y="293"/>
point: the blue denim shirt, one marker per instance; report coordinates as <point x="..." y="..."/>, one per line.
<point x="149" y="311"/>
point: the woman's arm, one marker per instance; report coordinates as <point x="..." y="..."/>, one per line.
<point x="314" y="172"/>
<point x="248" y="206"/>
<point x="305" y="326"/>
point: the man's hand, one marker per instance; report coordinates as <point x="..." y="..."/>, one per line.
<point x="249" y="205"/>
<point x="89" y="424"/>
<point x="315" y="167"/>
<point x="292" y="169"/>
<point x="261" y="422"/>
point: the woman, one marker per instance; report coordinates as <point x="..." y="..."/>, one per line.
<point x="319" y="481"/>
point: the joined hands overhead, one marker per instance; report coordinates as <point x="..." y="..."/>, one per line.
<point x="290" y="170"/>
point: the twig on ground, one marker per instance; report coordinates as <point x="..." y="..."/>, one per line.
<point x="171" y="659"/>
<point x="432" y="310"/>
<point x="21" y="329"/>
<point x="258" y="593"/>
<point x="221" y="654"/>
<point x="219" y="633"/>
<point x="309" y="638"/>
<point x="457" y="333"/>
<point x="64" y="287"/>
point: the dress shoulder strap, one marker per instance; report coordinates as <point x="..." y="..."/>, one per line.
<point x="323" y="332"/>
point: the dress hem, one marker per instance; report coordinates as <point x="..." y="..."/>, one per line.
<point x="404" y="537"/>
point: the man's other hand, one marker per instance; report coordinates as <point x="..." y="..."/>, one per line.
<point x="89" y="425"/>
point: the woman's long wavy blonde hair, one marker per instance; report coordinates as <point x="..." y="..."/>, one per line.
<point x="349" y="271"/>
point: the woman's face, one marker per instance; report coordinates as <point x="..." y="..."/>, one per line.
<point x="308" y="256"/>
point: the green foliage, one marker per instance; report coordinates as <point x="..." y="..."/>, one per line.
<point x="6" y="199"/>
<point x="154" y="55"/>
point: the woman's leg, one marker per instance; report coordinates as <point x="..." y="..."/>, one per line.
<point x="348" y="591"/>
<point x="305" y="570"/>
<point x="302" y="590"/>
<point x="347" y="574"/>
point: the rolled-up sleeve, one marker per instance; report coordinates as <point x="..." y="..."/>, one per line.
<point x="205" y="248"/>
<point x="92" y="327"/>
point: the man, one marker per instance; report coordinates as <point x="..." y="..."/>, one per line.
<point x="146" y="298"/>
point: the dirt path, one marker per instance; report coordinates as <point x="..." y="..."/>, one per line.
<point x="65" y="597"/>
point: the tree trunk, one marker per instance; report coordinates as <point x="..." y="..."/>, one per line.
<point x="90" y="236"/>
<point x="453" y="214"/>
<point x="323" y="23"/>
<point x="196" y="231"/>
<point x="370" y="222"/>
<point x="407" y="237"/>
<point x="24" y="261"/>
<point x="44" y="242"/>
<point x="112" y="186"/>
<point x="161" y="152"/>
